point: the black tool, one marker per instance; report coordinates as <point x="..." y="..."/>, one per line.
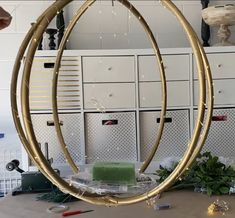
<point x="14" y="165"/>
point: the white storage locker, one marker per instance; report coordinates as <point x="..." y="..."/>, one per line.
<point x="220" y="140"/>
<point x="110" y="137"/>
<point x="109" y="69"/>
<point x="176" y="67"/>
<point x="71" y="128"/>
<point x="175" y="138"/>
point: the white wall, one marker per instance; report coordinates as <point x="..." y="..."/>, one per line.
<point x="102" y="27"/>
<point x="106" y="27"/>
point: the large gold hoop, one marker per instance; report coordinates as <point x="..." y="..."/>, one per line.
<point x="56" y="75"/>
<point x="38" y="157"/>
<point x="191" y="33"/>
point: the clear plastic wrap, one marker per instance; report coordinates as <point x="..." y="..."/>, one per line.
<point x="84" y="182"/>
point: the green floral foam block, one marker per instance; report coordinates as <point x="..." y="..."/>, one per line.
<point x="114" y="172"/>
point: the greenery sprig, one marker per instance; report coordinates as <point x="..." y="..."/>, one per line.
<point x="206" y="173"/>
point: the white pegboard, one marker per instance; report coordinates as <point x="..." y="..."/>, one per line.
<point x="175" y="134"/>
<point x="106" y="141"/>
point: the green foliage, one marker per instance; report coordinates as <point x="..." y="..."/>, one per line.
<point x="56" y="196"/>
<point x="207" y="172"/>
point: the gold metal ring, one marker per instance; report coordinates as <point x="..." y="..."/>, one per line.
<point x="191" y="33"/>
<point x="56" y="75"/>
<point x="31" y="144"/>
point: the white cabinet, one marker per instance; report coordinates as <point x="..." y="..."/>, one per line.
<point x="111" y="101"/>
<point x="223" y="74"/>
<point x="109" y="82"/>
<point x="177" y="76"/>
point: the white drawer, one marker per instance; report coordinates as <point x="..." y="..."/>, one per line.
<point x="177" y="94"/>
<point x="220" y="140"/>
<point x="110" y="137"/>
<point x="223" y="92"/>
<point x="175" y="136"/>
<point x="222" y="65"/>
<point x="176" y="67"/>
<point x="108" y="69"/>
<point x="45" y="132"/>
<point x="101" y="96"/>
<point x="43" y="65"/>
<point x="68" y="97"/>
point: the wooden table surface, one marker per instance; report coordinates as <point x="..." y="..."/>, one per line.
<point x="185" y="204"/>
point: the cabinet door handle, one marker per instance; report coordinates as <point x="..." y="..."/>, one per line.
<point x="49" y="65"/>
<point x="219" y="118"/>
<point x="52" y="123"/>
<point x="109" y="122"/>
<point x="167" y="120"/>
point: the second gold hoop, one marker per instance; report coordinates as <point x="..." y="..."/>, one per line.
<point x="67" y="33"/>
<point x="31" y="144"/>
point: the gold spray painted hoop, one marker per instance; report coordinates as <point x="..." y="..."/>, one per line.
<point x="34" y="151"/>
<point x="61" y="48"/>
<point x="154" y="149"/>
<point x="191" y="34"/>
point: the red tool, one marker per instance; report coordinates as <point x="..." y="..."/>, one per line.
<point x="70" y="213"/>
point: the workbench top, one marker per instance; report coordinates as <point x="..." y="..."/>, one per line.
<point x="185" y="204"/>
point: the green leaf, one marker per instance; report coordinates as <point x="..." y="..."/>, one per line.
<point x="209" y="191"/>
<point x="209" y="173"/>
<point x="224" y="190"/>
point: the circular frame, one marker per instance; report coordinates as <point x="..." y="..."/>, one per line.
<point x="31" y="144"/>
<point x="61" y="48"/>
<point x="208" y="76"/>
